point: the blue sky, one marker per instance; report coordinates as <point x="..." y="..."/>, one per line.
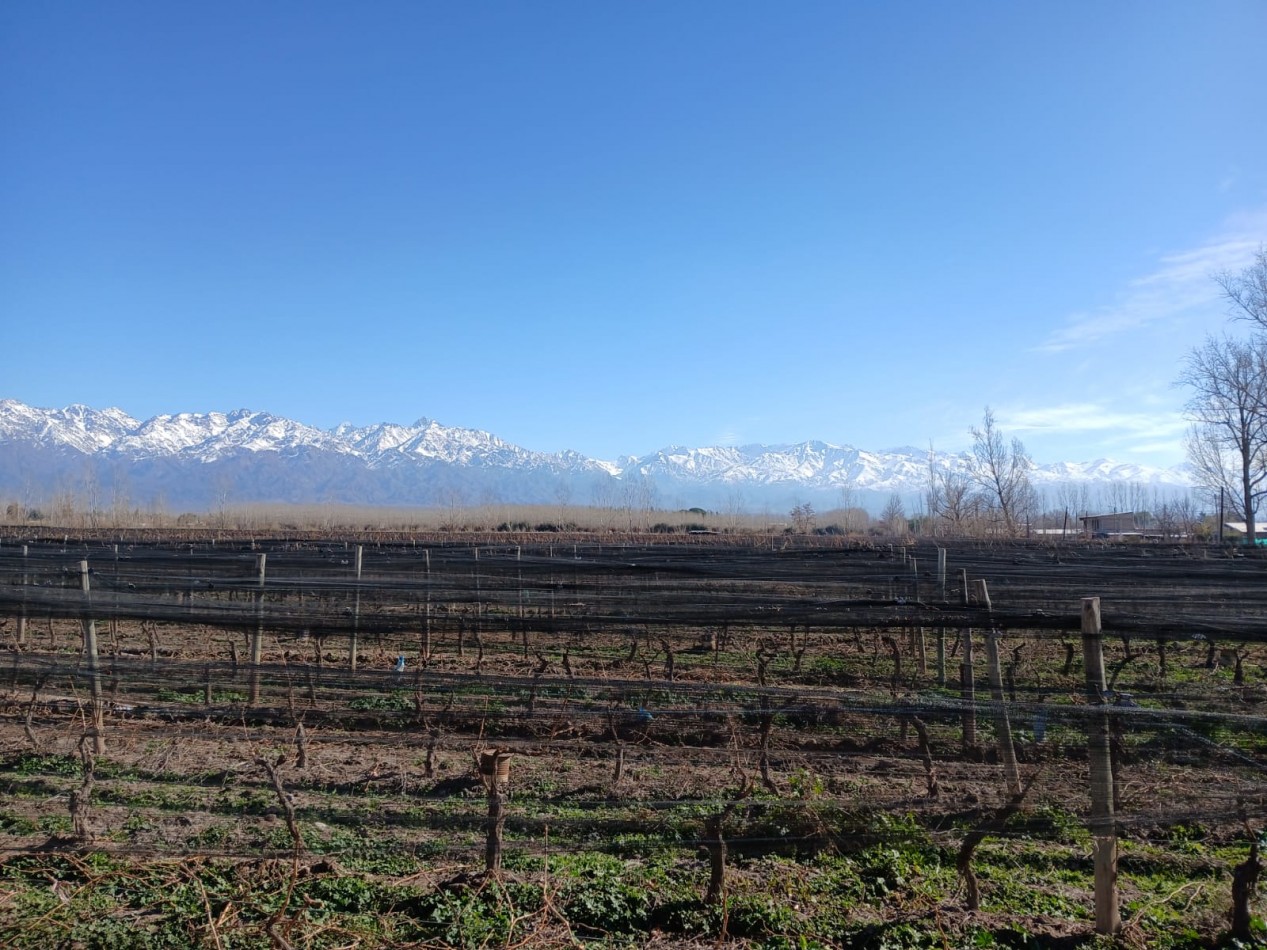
<point x="615" y="227"/>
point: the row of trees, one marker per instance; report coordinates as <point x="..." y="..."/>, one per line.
<point x="959" y="503"/>
<point x="1227" y="379"/>
<point x="993" y="496"/>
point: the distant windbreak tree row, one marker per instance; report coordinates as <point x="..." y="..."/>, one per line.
<point x="992" y="495"/>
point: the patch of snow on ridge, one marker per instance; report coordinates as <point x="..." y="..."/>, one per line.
<point x="808" y="466"/>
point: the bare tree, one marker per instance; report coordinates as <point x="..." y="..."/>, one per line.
<point x="223" y="490"/>
<point x="962" y="505"/>
<point x="933" y="493"/>
<point x="854" y="519"/>
<point x="638" y="496"/>
<point x="951" y="504"/>
<point x="804" y="518"/>
<point x="1227" y="444"/>
<point x="894" y="515"/>
<point x="563" y="495"/>
<point x="1116" y="496"/>
<point x="1246" y="291"/>
<point x="91" y="489"/>
<point x="734" y="507"/>
<point x="1001" y="469"/>
<point x="1075" y="499"/>
<point x="602" y="499"/>
<point x="1165" y="520"/>
<point x="1188" y="515"/>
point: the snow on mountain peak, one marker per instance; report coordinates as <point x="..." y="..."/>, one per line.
<point x="210" y="437"/>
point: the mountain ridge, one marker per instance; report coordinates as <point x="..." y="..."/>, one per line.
<point x="192" y="458"/>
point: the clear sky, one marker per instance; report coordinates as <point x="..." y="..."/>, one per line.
<point x="614" y="227"/>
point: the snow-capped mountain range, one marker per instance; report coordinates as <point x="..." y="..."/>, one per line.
<point x="199" y="460"/>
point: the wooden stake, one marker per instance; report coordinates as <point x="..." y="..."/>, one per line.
<point x="1108" y="919"/>
<point x="981" y="591"/>
<point x="22" y="615"/>
<point x="94" y="669"/>
<point x="968" y="692"/>
<point x="941" y="657"/>
<point x="523" y="628"/>
<point x="356" y="611"/>
<point x="479" y="610"/>
<point x="257" y="639"/>
<point x="426" y="621"/>
<point x="1003" y="728"/>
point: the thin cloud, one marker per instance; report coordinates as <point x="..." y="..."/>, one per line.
<point x="1153" y="448"/>
<point x="1180" y="284"/>
<point x="1073" y="418"/>
<point x="1095" y="430"/>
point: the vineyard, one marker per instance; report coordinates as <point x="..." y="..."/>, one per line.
<point x="781" y="742"/>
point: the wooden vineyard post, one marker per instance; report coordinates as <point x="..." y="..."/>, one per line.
<point x="94" y="669"/>
<point x="356" y="611"/>
<point x="114" y="614"/>
<point x="963" y="586"/>
<point x="968" y="692"/>
<point x="519" y="591"/>
<point x="1002" y="726"/>
<point x="479" y="613"/>
<point x="941" y="572"/>
<point x="1108" y="918"/>
<point x="941" y="657"/>
<point x="494" y="768"/>
<point x="257" y="639"/>
<point x="189" y="582"/>
<point x="22" y="614"/>
<point x="981" y="591"/>
<point x="426" y="620"/>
